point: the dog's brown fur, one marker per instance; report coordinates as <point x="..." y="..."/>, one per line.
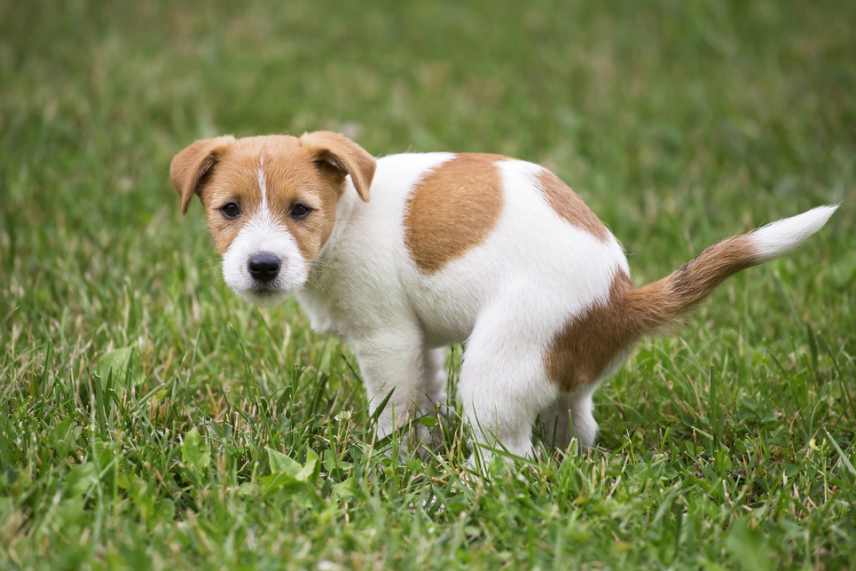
<point x="588" y="343"/>
<point x="570" y="206"/>
<point x="452" y="209"/>
<point x="309" y="170"/>
<point x="661" y="302"/>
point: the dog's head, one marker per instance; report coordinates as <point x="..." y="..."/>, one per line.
<point x="270" y="202"/>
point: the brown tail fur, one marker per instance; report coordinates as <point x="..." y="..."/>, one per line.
<point x="661" y="302"/>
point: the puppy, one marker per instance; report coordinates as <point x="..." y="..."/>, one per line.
<point x="406" y="254"/>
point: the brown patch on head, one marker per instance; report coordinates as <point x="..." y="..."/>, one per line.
<point x="233" y="180"/>
<point x="452" y="209"/>
<point x="191" y="165"/>
<point x="569" y="205"/>
<point x="309" y="171"/>
<point x="588" y="343"/>
<point x="343" y="156"/>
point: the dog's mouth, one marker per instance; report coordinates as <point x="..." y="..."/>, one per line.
<point x="265" y="291"/>
<point x="264" y="294"/>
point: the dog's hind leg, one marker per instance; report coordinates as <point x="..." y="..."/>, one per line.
<point x="504" y="384"/>
<point x="572" y="414"/>
<point x="582" y="413"/>
<point x="555" y="422"/>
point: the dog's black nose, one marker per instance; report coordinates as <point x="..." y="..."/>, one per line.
<point x="264" y="266"/>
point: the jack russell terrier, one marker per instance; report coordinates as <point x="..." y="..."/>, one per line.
<point x="406" y="254"/>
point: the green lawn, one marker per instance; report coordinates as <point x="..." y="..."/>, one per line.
<point x="149" y="418"/>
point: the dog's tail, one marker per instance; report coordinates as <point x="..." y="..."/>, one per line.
<point x="659" y="303"/>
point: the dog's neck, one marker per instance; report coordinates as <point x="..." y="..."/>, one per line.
<point x="317" y="297"/>
<point x="323" y="269"/>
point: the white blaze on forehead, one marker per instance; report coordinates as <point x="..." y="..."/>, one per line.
<point x="263" y="183"/>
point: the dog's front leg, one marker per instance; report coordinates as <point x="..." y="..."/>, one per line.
<point x="393" y="364"/>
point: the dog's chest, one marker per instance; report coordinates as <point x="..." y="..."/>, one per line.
<point x="320" y="316"/>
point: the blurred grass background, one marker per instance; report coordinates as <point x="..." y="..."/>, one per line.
<point x="144" y="410"/>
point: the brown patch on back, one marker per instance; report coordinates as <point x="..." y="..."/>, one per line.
<point x="587" y="344"/>
<point x="452" y="209"/>
<point x="569" y="205"/>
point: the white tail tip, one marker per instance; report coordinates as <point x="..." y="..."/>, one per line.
<point x="778" y="237"/>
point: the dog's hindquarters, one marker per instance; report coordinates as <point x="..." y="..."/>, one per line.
<point x="595" y="343"/>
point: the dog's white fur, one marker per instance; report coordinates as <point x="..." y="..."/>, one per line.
<point x="506" y="298"/>
<point x="778" y="237"/>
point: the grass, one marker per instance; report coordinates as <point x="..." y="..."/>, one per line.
<point x="149" y="419"/>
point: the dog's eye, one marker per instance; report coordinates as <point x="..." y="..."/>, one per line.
<point x="300" y="211"/>
<point x="230" y="210"/>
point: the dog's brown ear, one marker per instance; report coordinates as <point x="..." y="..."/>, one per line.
<point x="190" y="166"/>
<point x="345" y="156"/>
